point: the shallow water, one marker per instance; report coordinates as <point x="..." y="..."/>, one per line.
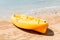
<point x="7" y="7"/>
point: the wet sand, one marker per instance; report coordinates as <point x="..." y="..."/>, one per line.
<point x="8" y="31"/>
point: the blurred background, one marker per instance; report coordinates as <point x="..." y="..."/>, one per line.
<point x="8" y="7"/>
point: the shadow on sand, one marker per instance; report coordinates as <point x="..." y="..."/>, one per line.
<point x="48" y="33"/>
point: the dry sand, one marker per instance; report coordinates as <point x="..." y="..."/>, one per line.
<point x="10" y="32"/>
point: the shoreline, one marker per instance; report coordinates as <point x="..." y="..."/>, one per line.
<point x="37" y="11"/>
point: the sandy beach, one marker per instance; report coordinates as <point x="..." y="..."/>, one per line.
<point x="48" y="10"/>
<point x="10" y="32"/>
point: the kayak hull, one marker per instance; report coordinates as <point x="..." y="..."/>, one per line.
<point x="26" y="24"/>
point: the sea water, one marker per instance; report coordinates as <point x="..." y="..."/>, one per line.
<point x="8" y="7"/>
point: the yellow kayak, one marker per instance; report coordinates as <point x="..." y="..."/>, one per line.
<point x="29" y="22"/>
